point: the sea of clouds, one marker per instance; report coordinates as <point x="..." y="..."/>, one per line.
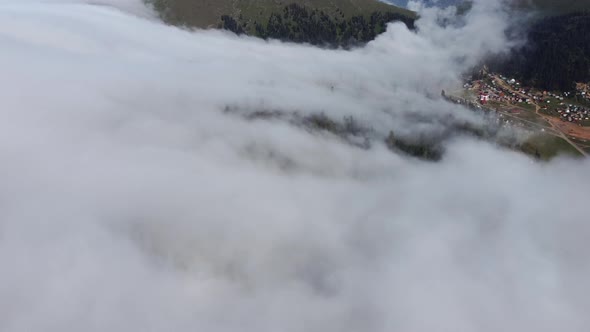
<point x="132" y="200"/>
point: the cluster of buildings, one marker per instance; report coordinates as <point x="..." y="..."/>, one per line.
<point x="583" y="90"/>
<point x="572" y="113"/>
<point x="495" y="92"/>
<point x="515" y="94"/>
<point x="503" y="90"/>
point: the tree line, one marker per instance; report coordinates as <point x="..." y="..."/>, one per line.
<point x="556" y="55"/>
<point x="300" y="24"/>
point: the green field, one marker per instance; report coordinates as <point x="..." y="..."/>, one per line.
<point x="532" y="117"/>
<point x="546" y="147"/>
<point x="582" y="143"/>
<point x="528" y="107"/>
<point x="207" y="13"/>
<point x="525" y="114"/>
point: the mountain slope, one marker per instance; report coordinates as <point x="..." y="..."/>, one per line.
<point x="207" y="13"/>
<point x="556" y="7"/>
<point x="557" y="54"/>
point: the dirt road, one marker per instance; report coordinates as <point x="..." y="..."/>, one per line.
<point x="564" y="129"/>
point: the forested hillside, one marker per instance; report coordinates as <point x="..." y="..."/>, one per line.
<point x="560" y="6"/>
<point x="303" y="25"/>
<point x="322" y="22"/>
<point x="557" y="53"/>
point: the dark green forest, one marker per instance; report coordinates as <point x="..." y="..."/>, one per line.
<point x="300" y="24"/>
<point x="557" y="53"/>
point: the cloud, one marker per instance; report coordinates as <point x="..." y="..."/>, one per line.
<point x="132" y="201"/>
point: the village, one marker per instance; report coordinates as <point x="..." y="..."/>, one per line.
<point x="562" y="114"/>
<point x="498" y="90"/>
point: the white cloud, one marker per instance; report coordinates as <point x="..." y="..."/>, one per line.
<point x="130" y="201"/>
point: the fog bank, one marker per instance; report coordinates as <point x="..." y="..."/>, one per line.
<point x="131" y="200"/>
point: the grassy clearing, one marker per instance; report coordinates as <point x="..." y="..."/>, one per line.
<point x="525" y="114"/>
<point x="532" y="117"/>
<point x="553" y="105"/>
<point x="528" y="107"/>
<point x="529" y="115"/>
<point x="580" y="142"/>
<point x="547" y="147"/>
<point x="550" y="112"/>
